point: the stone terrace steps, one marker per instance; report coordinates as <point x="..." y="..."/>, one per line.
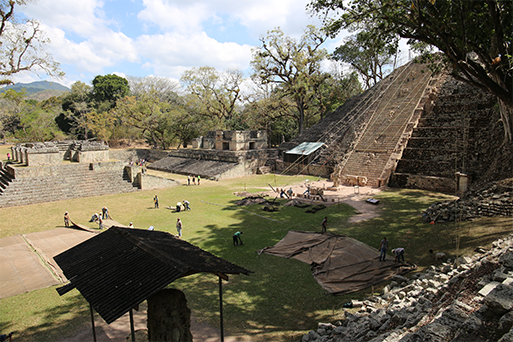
<point x="204" y="168"/>
<point x="442" y="141"/>
<point x="66" y="182"/>
<point x="391" y="117"/>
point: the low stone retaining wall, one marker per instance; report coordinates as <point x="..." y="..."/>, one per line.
<point x="147" y="182"/>
<point x="417" y="181"/>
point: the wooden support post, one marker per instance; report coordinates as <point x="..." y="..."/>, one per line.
<point x="132" y="328"/>
<point x="92" y="322"/>
<point x="221" y="307"/>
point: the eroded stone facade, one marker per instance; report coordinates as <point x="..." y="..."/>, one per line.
<point x="232" y="140"/>
<point x="53" y="153"/>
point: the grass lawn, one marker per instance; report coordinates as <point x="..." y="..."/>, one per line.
<point x="280" y="300"/>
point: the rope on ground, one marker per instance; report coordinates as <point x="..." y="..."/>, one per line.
<point x="247" y="211"/>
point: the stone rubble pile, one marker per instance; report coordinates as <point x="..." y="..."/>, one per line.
<point x="469" y="300"/>
<point x="496" y="200"/>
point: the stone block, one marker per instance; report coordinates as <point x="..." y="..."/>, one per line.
<point x="500" y="299"/>
<point x="488" y="288"/>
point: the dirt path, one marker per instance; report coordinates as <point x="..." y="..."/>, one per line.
<point x="119" y="330"/>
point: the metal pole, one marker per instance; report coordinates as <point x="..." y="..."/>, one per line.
<point x="92" y="322"/>
<point x="132" y="329"/>
<point x="221" y="307"/>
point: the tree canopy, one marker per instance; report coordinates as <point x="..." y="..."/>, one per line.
<point x="368" y="52"/>
<point x="22" y="44"/>
<point x="109" y="88"/>
<point x="475" y="36"/>
<point x="293" y="65"/>
<point x="219" y="92"/>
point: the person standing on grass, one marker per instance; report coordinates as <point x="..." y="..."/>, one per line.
<point x="8" y="156"/>
<point x="189" y="179"/>
<point x="236" y="239"/>
<point x="66" y="219"/>
<point x="156" y="201"/>
<point x="324" y="225"/>
<point x="179" y="227"/>
<point x="383" y="246"/>
<point x="199" y="179"/>
<point x="194" y="180"/>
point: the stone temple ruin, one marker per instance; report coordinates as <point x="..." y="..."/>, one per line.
<point x="53" y="153"/>
<point x="53" y="171"/>
<point x="232" y="140"/>
<point x="413" y="129"/>
<point x="219" y="155"/>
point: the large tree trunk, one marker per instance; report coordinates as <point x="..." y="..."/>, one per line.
<point x="507" y="120"/>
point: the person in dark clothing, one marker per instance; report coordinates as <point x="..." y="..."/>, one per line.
<point x="236" y="239"/>
<point x="324" y="225"/>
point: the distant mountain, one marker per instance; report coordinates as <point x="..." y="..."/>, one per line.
<point x="39" y="90"/>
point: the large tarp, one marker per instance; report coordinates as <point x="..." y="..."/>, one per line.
<point x="340" y="264"/>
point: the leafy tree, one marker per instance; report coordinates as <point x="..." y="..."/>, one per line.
<point x="146" y="114"/>
<point x="265" y="108"/>
<point x="76" y="105"/>
<point x="218" y="92"/>
<point x="38" y="124"/>
<point x="108" y="89"/>
<point x="294" y="65"/>
<point x="475" y="37"/>
<point x="333" y="92"/>
<point x="368" y="52"/>
<point x="165" y="88"/>
<point x="22" y="44"/>
<point x="100" y="123"/>
<point x="11" y="105"/>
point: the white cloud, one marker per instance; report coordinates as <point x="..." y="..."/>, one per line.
<point x="184" y="16"/>
<point x="258" y="16"/>
<point x="77" y="16"/>
<point x="170" y="53"/>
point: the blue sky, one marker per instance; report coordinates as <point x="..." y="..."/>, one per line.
<point x="159" y="37"/>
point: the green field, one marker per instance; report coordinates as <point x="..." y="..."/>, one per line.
<point x="280" y="300"/>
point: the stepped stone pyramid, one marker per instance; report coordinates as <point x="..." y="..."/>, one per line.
<point x="413" y="129"/>
<point x="364" y="136"/>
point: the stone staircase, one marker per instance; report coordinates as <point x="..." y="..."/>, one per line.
<point x="30" y="185"/>
<point x="452" y="136"/>
<point x="392" y="116"/>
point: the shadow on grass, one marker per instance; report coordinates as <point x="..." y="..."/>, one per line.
<point x="280" y="298"/>
<point x="73" y="313"/>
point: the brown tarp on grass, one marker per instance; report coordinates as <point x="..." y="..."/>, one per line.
<point x="340" y="264"/>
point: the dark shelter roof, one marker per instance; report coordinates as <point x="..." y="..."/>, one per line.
<point x="340" y="264"/>
<point x="121" y="267"/>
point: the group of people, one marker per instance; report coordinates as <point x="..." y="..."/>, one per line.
<point x="183" y="206"/>
<point x="95" y="218"/>
<point x="98" y="219"/>
<point x="193" y="178"/>
<point x="397" y="252"/>
<point x="288" y="193"/>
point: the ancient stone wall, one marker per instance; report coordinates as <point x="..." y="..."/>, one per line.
<point x="52" y="153"/>
<point x="232" y="140"/>
<point x="469" y="299"/>
<point x="459" y="132"/>
<point x="147" y="182"/>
